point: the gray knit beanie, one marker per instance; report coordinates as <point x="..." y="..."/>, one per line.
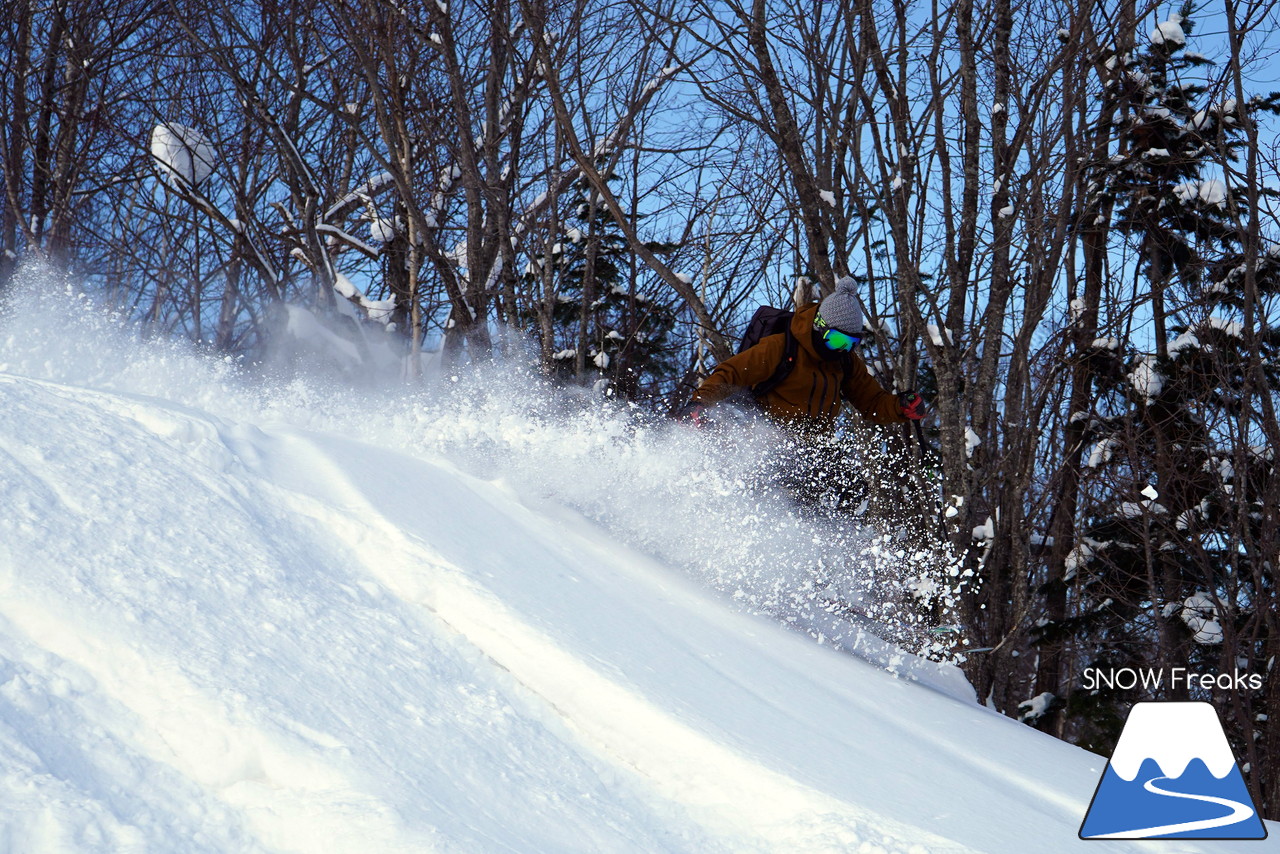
<point x="840" y="310"/>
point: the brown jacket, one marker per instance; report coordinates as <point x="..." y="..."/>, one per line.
<point x="810" y="395"/>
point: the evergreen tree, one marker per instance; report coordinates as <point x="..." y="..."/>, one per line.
<point x="608" y="330"/>
<point x="1164" y="575"/>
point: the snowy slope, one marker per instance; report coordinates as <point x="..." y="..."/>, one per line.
<point x="233" y="621"/>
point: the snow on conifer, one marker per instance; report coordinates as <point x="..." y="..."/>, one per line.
<point x="1169" y="32"/>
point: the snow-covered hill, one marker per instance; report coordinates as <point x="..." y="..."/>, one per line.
<point x="240" y="620"/>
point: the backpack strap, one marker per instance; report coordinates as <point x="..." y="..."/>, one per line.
<point x="789" y="350"/>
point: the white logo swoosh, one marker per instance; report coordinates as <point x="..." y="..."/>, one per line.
<point x="1239" y="812"/>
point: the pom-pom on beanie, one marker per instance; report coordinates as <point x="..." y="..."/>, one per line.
<point x="840" y="310"/>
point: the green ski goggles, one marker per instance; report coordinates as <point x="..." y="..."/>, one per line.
<point x="834" y="338"/>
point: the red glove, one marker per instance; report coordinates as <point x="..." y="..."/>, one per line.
<point x="912" y="405"/>
<point x="695" y="413"/>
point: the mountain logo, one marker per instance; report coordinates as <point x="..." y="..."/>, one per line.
<point x="1172" y="776"/>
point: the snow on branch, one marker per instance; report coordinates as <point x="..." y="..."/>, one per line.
<point x="1210" y="192"/>
<point x="351" y="240"/>
<point x="361" y="194"/>
<point x="1147" y="380"/>
<point x="378" y="311"/>
<point x="1227" y="327"/>
<point x="1102" y="452"/>
<point x="1200" y="613"/>
<point x="185" y="158"/>
<point x="182" y="152"/>
<point x="447" y="178"/>
<point x="1169" y="32"/>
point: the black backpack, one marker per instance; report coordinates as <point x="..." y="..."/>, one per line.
<point x="765" y="322"/>
<point x="771" y="321"/>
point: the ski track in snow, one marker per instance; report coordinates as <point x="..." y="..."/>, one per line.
<point x="222" y="636"/>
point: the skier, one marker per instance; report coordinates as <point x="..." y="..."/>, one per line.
<point x="826" y="369"/>
<point x="805" y="396"/>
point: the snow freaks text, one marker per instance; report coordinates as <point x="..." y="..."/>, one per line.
<point x="1175" y="678"/>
